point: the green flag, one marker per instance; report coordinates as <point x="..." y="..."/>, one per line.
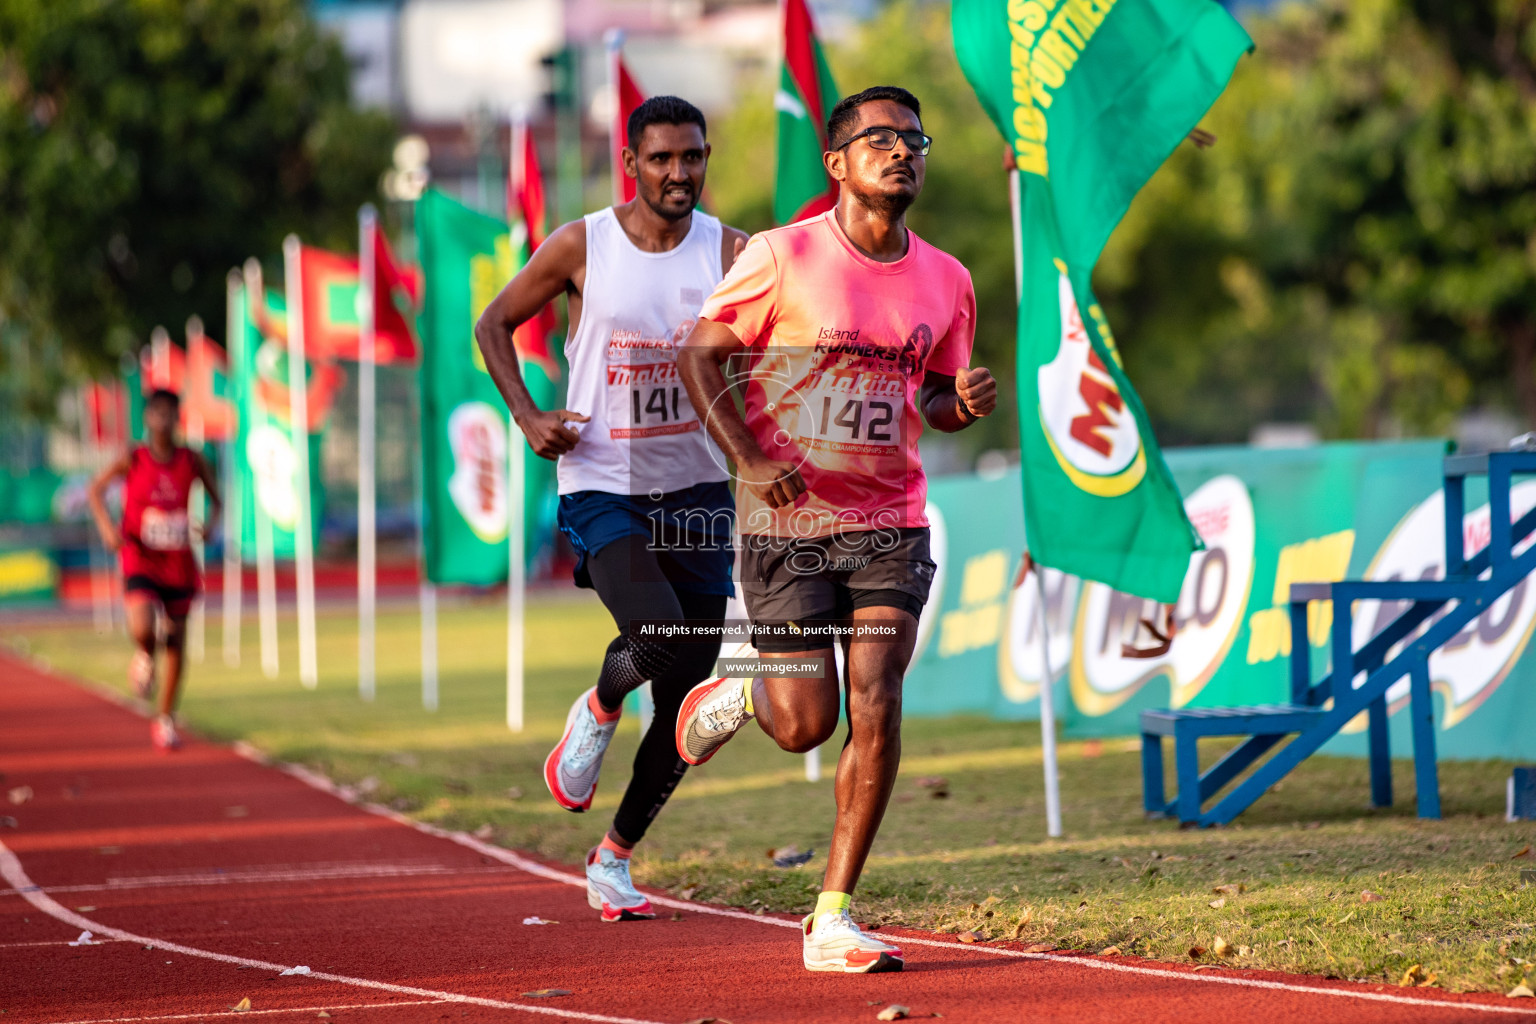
<point x="467" y="258"/>
<point x="806" y="96"/>
<point x="264" y="453"/>
<point x="1092" y="96"/>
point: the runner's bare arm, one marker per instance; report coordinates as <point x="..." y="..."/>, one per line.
<point x="954" y="403"/>
<point x="732" y="241"/>
<point x="210" y="488"/>
<point x="556" y="268"/>
<point x="96" y="493"/>
<point x="708" y="346"/>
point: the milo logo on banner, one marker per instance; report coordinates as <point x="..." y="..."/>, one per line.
<point x="477" y="436"/>
<point x="1019" y="669"/>
<point x="275" y="470"/>
<point x="1209" y="612"/>
<point x="1469" y="668"/>
<point x="1089" y="429"/>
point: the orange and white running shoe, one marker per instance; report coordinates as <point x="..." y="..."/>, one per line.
<point x="837" y="945"/>
<point x="610" y="890"/>
<point x="572" y="768"/>
<point x="141" y="674"/>
<point x="162" y="733"/>
<point x="712" y="713"/>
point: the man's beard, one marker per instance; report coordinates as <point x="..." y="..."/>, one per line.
<point x="665" y="213"/>
<point x="885" y="203"/>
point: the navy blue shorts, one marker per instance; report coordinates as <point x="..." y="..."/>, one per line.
<point x="692" y="526"/>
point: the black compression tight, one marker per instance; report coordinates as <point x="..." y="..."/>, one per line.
<point x="631" y="580"/>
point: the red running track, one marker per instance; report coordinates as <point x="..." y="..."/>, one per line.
<point x="204" y="875"/>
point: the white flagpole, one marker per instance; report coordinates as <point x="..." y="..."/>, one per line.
<point x="1048" y="717"/>
<point x="196" y="358"/>
<point x="517" y="581"/>
<point x="235" y="342"/>
<point x="1047" y="683"/>
<point x="614" y="39"/>
<point x="101" y="587"/>
<point x="266" y="556"/>
<point x="427" y="593"/>
<point x="298" y="415"/>
<point x="367" y="570"/>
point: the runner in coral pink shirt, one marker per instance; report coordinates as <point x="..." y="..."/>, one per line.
<point x="846" y="334"/>
<point x="839" y="345"/>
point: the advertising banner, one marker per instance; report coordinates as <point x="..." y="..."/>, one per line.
<point x="266" y="458"/>
<point x="1268" y="519"/>
<point x="467" y="257"/>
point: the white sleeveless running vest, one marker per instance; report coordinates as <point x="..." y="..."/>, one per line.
<point x="637" y="307"/>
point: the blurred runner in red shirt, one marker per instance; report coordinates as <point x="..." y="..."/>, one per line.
<point x="155" y="543"/>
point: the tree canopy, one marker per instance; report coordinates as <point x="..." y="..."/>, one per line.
<point x="148" y="147"/>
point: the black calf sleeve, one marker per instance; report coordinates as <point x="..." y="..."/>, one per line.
<point x="629" y="663"/>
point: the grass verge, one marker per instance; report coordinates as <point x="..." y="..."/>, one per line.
<point x="963" y="846"/>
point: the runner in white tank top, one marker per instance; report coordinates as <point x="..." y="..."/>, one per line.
<point x="643" y="491"/>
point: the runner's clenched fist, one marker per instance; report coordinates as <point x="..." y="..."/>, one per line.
<point x="977" y="390"/>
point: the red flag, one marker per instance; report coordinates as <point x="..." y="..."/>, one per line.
<point x="525" y="202"/>
<point x="525" y="190"/>
<point x="628" y="96"/>
<point x="106" y="414"/>
<point x="200" y="401"/>
<point x="162" y="365"/>
<point x="394" y="287"/>
<point x="332" y="323"/>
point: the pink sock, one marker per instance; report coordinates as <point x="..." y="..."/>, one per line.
<point x="602" y="715"/>
<point x="618" y="851"/>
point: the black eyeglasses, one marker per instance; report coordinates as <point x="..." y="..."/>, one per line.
<point x="885" y="138"/>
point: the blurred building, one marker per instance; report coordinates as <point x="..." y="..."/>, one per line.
<point x="457" y="71"/>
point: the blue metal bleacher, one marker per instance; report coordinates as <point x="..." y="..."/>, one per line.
<point x="1435" y="612"/>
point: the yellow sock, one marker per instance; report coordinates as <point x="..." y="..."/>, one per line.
<point x="831" y="903"/>
<point x="746" y="689"/>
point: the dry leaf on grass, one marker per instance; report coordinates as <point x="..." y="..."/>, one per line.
<point x="1525" y="851"/>
<point x="547" y="993"/>
<point x="1221" y="947"/>
<point x="1196" y="952"/>
<point x="1039" y="947"/>
<point x="1217" y="904"/>
<point x="1245" y="951"/>
<point x="1520" y="991"/>
<point x="937" y="785"/>
<point x="242" y="1006"/>
<point x="484" y="831"/>
<point x="968" y="937"/>
<point x="1110" y="951"/>
<point x="1412" y="976"/>
<point x="893" y="1012"/>
<point x="1371" y="897"/>
<point x="1230" y="890"/>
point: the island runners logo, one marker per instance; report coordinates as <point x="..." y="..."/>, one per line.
<point x="1471" y="666"/>
<point x="1209" y="612"/>
<point x="478" y="487"/>
<point x="1087" y="425"/>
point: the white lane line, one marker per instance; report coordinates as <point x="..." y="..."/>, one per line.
<point x="320" y="782"/>
<point x="16" y="876"/>
<point x="56" y="942"/>
<point x="252" y="1013"/>
<point x="261" y="877"/>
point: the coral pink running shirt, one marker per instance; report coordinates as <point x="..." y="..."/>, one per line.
<point x="838" y="345"/>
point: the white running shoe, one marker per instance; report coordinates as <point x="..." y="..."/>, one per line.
<point x="610" y="890"/>
<point x="572" y="768"/>
<point x="839" y="946"/>
<point x="163" y="734"/>
<point x="711" y="714"/>
<point x="141" y="674"/>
